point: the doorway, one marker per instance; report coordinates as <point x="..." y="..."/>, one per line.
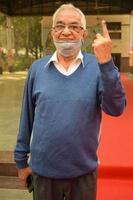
<point x="117" y="60"/>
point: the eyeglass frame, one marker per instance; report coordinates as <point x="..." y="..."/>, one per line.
<point x="63" y="26"/>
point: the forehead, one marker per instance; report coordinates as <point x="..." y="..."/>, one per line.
<point x="68" y="16"/>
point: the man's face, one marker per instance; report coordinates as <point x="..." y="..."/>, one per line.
<point x="68" y="26"/>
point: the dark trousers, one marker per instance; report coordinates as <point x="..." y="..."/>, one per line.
<point x="80" y="188"/>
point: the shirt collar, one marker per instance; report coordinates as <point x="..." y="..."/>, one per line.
<point x="54" y="58"/>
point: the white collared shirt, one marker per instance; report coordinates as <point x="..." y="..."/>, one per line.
<point x="72" y="67"/>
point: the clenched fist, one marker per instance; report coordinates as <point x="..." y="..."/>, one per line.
<point x="23" y="174"/>
<point x="102" y="45"/>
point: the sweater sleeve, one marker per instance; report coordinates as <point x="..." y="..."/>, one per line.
<point x="113" y="99"/>
<point x="26" y="122"/>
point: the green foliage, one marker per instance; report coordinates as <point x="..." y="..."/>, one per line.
<point x="27" y="41"/>
<point x="50" y="48"/>
<point x="2" y="19"/>
<point x="27" y="30"/>
<point x="22" y="62"/>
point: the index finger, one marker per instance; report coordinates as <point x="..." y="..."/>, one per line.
<point x="105" y="30"/>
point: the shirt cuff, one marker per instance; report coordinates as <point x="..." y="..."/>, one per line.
<point x="22" y="164"/>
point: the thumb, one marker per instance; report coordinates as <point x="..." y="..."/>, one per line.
<point x="99" y="36"/>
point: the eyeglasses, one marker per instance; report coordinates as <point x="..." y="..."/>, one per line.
<point x="72" y="27"/>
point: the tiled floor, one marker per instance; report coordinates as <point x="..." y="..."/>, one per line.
<point x="12" y="194"/>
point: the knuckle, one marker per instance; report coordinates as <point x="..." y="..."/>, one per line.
<point x="110" y="41"/>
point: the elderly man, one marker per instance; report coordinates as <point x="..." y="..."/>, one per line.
<point x="64" y="96"/>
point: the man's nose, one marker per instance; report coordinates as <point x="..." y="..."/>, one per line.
<point x="66" y="30"/>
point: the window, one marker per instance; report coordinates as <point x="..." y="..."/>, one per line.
<point x="115" y="26"/>
<point x="115" y="35"/>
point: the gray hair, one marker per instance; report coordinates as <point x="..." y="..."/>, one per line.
<point x="68" y="7"/>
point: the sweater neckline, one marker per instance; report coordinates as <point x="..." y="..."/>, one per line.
<point x="63" y="75"/>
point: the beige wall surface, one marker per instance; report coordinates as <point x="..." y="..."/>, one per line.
<point x="119" y="46"/>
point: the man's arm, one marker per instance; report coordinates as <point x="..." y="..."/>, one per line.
<point x="25" y="129"/>
<point x="112" y="94"/>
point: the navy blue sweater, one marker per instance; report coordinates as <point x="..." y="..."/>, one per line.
<point x="61" y="116"/>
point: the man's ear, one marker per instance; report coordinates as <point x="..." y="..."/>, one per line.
<point x="85" y="34"/>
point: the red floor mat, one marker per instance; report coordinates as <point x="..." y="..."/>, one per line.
<point x="115" y="189"/>
<point x="115" y="152"/>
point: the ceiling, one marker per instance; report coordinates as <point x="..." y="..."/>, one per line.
<point x="47" y="7"/>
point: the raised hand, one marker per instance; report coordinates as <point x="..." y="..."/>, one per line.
<point x="102" y="45"/>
